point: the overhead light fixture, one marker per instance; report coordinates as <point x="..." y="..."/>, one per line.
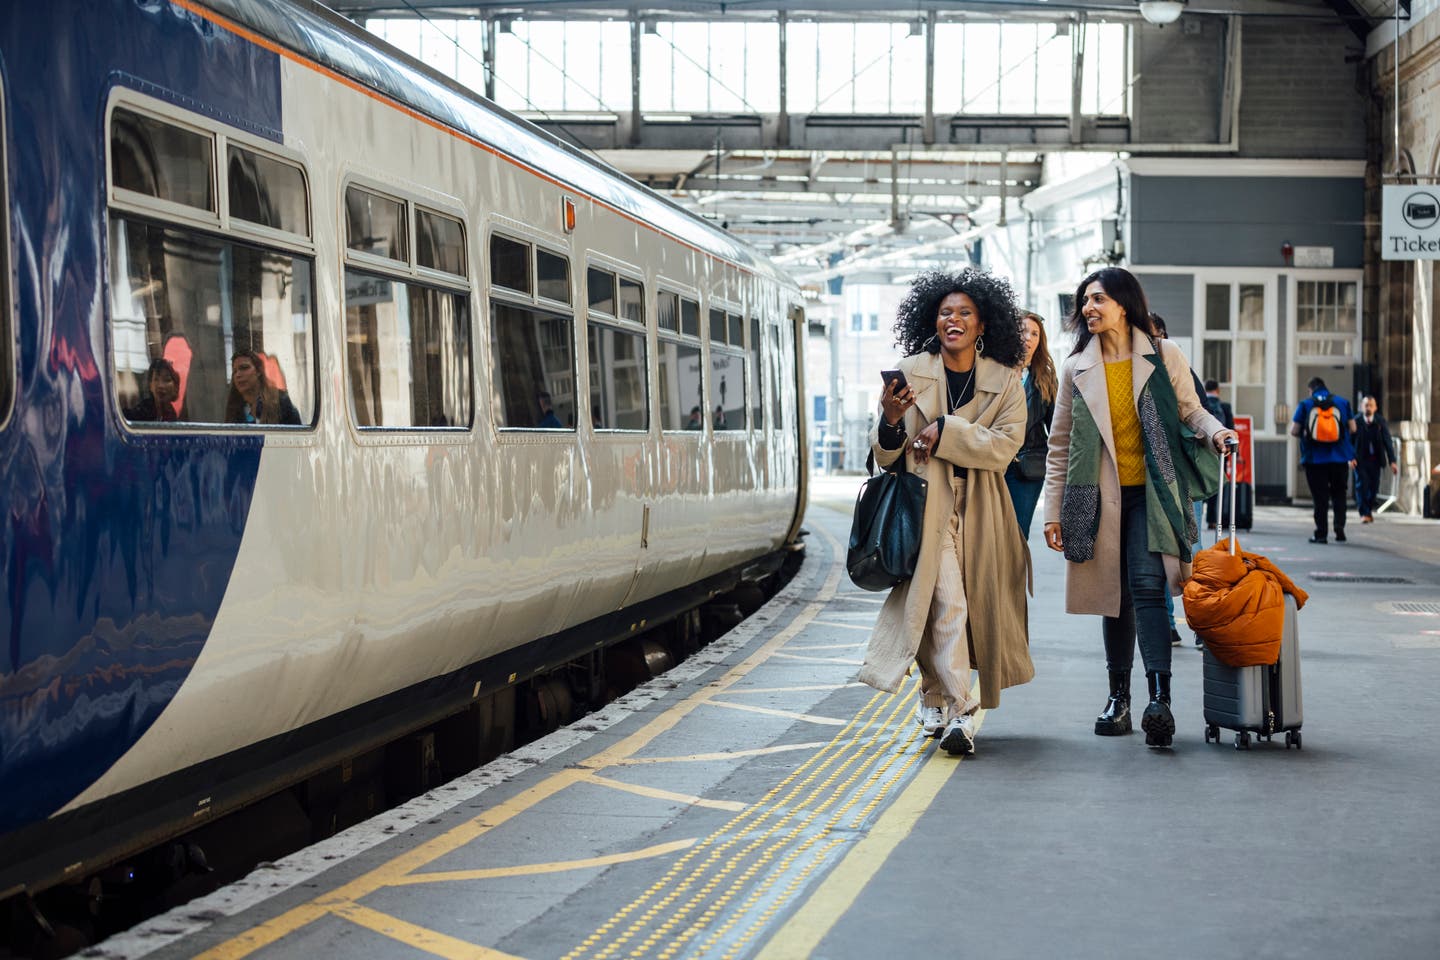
<point x="1161" y="12"/>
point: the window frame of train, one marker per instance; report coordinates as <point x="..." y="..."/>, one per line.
<point x="439" y="380"/>
<point x="8" y="326"/>
<point x="726" y="335"/>
<point x="677" y="313"/>
<point x="146" y="213"/>
<point x="559" y="315"/>
<point x="604" y="328"/>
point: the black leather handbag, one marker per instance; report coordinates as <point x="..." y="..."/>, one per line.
<point x="885" y="531"/>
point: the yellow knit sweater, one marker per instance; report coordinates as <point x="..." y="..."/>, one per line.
<point x="1125" y="425"/>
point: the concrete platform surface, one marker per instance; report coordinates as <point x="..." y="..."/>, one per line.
<point x="756" y="801"/>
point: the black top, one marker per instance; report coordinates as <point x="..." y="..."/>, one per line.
<point x="1373" y="442"/>
<point x="960" y="387"/>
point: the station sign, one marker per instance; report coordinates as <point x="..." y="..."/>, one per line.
<point x="1410" y="222"/>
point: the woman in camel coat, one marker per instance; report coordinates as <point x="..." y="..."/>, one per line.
<point x="957" y="421"/>
<point x="1113" y="502"/>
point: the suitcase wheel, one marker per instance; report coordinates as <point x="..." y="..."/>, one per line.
<point x="1292" y="736"/>
<point x="1212" y="733"/>
<point x="1242" y="741"/>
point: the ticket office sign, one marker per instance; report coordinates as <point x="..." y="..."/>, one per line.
<point x="1410" y="223"/>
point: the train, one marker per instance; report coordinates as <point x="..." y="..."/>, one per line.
<point x="336" y="402"/>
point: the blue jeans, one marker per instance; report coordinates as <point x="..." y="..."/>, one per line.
<point x="1143" y="589"/>
<point x="1024" y="494"/>
<point x="1199" y="528"/>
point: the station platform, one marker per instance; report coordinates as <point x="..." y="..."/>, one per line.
<point x="757" y="802"/>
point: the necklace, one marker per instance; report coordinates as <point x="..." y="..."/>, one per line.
<point x="954" y="400"/>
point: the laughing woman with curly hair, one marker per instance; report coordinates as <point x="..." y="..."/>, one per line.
<point x="956" y="420"/>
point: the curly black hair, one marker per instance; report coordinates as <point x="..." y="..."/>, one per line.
<point x="993" y="296"/>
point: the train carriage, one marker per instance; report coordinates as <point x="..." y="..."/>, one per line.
<point x="512" y="407"/>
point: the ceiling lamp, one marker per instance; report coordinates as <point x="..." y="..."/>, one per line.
<point x="1161" y="12"/>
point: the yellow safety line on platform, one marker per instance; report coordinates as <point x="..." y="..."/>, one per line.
<point x="799" y="806"/>
<point x="710" y="757"/>
<point x="655" y="793"/>
<point x="395" y="870"/>
<point x="802" y="933"/>
<point x="809" y="647"/>
<point x="800" y="689"/>
<point x="866" y="627"/>
<point x="842" y="660"/>
<point x="420" y="938"/>
<point x="771" y="711"/>
<point x="559" y="866"/>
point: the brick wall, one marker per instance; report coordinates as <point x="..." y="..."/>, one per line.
<point x="1177" y="93"/>
<point x="1299" y="97"/>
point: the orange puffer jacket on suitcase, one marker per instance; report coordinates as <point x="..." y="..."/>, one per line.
<point x="1237" y="605"/>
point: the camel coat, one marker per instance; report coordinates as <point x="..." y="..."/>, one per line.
<point x="1094" y="586"/>
<point x="984" y="436"/>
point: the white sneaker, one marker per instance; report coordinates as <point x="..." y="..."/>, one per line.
<point x="931" y="719"/>
<point x="959" y="737"/>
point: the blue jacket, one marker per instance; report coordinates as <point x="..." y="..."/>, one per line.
<point x="1342" y="451"/>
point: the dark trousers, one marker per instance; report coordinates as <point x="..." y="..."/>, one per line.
<point x="1024" y="494"/>
<point x="1327" y="488"/>
<point x="1367" y="486"/>
<point x="1142" y="595"/>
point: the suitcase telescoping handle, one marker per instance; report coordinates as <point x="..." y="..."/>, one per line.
<point x="1229" y="457"/>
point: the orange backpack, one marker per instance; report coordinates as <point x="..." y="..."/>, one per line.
<point x="1324" y="422"/>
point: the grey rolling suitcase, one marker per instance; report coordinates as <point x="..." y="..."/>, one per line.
<point x="1263" y="700"/>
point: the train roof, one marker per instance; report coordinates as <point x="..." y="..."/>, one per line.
<point x="316" y="33"/>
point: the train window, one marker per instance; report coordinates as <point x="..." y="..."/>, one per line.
<point x="717" y="326"/>
<point x="727" y="389"/>
<point x="689" y="318"/>
<point x="757" y="375"/>
<point x="534" y="367"/>
<point x="162" y="160"/>
<point x="632" y="301"/>
<point x="682" y="393"/>
<point x="375" y="224"/>
<point x="439" y="242"/>
<point x="737" y="329"/>
<point x="667" y="308"/>
<point x="267" y="191"/>
<point x="509" y="264"/>
<point x="600" y="289"/>
<point x="552" y="276"/>
<point x="207" y="330"/>
<point x="618" y="374"/>
<point x="408" y="349"/>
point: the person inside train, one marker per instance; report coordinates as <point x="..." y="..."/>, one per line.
<point x="1112" y="501"/>
<point x="1026" y="474"/>
<point x="958" y="420"/>
<point x="162" y="394"/>
<point x="548" y="420"/>
<point x="696" y="421"/>
<point x="252" y="399"/>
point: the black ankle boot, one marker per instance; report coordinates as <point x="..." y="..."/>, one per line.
<point x="1158" y="722"/>
<point x="1115" y="721"/>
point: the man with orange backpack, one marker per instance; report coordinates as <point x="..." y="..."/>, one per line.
<point x="1323" y="423"/>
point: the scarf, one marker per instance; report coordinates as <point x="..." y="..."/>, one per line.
<point x="1169" y="521"/>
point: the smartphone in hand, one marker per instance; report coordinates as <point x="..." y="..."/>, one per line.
<point x="894" y="376"/>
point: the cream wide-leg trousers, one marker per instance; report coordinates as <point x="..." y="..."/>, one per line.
<point x="944" y="654"/>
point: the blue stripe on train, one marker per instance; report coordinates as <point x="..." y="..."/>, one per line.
<point x="114" y="552"/>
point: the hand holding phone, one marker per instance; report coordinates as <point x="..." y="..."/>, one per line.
<point x="897" y="396"/>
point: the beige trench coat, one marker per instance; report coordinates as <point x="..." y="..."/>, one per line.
<point x="1094" y="586"/>
<point x="983" y="435"/>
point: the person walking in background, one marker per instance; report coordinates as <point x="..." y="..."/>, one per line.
<point x="1025" y="476"/>
<point x="1324" y="425"/>
<point x="957" y="419"/>
<point x="1114" y="503"/>
<point x="1374" y="448"/>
